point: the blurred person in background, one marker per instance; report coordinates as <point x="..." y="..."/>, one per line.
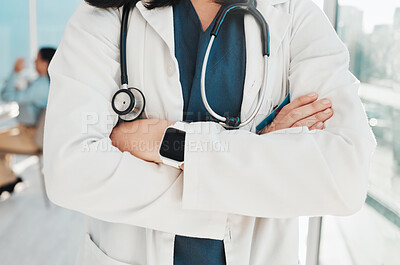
<point x="32" y="101"/>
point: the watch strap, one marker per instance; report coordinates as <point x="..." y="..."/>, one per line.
<point x="180" y="125"/>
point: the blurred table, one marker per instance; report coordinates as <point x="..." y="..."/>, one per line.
<point x="8" y="112"/>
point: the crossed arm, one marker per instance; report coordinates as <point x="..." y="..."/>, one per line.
<point x="142" y="138"/>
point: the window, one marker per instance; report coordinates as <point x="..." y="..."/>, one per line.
<point x="27" y="25"/>
<point x="14" y="32"/>
<point x="371" y="31"/>
<point x="52" y="17"/>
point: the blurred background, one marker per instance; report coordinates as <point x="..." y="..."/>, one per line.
<point x="34" y="231"/>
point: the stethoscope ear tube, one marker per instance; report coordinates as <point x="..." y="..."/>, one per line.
<point x="122" y="50"/>
<point x="264" y="30"/>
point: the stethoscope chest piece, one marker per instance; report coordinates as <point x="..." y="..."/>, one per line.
<point x="128" y="103"/>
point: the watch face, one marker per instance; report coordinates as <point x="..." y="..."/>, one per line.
<point x="173" y="144"/>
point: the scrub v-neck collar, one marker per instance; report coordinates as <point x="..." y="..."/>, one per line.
<point x="194" y="16"/>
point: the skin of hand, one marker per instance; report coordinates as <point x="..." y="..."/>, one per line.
<point x="303" y="111"/>
<point x="19" y="65"/>
<point x="141" y="138"/>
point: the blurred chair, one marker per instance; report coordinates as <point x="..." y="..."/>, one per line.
<point x="38" y="138"/>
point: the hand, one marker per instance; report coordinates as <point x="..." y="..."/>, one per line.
<point x="19" y="65"/>
<point x="303" y="111"/>
<point x="140" y="137"/>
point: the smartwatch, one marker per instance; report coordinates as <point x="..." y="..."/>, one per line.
<point x="172" y="147"/>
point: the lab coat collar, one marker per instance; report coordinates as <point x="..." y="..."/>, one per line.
<point x="161" y="20"/>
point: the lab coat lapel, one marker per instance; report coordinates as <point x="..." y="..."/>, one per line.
<point x="278" y="22"/>
<point x="161" y="80"/>
<point x="161" y="20"/>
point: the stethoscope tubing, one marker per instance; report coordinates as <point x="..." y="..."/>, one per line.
<point x="248" y="7"/>
<point x="227" y="122"/>
<point x="221" y="119"/>
<point x="123" y="35"/>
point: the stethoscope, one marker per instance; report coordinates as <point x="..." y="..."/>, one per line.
<point x="129" y="102"/>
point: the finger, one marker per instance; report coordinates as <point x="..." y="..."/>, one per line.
<point x="307" y="110"/>
<point x="321" y="116"/>
<point x="301" y="101"/>
<point x="317" y="126"/>
<point x="270" y="128"/>
<point x="298" y="102"/>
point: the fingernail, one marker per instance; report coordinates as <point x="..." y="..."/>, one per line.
<point x="311" y="95"/>
<point x="319" y="125"/>
<point x="325" y="101"/>
<point x="327" y="111"/>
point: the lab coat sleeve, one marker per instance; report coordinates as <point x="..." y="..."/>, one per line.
<point x="83" y="171"/>
<point x="290" y="172"/>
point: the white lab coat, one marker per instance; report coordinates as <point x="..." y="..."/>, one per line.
<point x="250" y="192"/>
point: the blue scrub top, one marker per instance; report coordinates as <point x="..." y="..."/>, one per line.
<point x="224" y="88"/>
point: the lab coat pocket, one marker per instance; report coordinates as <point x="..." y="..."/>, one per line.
<point x="91" y="254"/>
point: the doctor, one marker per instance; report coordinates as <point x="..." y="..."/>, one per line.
<point x="234" y="205"/>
